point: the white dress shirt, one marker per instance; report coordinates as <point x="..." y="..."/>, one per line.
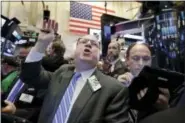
<point x="34" y="56"/>
<point x="113" y="65"/>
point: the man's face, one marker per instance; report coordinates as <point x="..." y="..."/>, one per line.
<point x="87" y="50"/>
<point x="113" y="51"/>
<point x="24" y="51"/>
<point x="5" y="69"/>
<point x="139" y="57"/>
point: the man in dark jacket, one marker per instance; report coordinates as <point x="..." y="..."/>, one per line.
<point x="172" y="115"/>
<point x="86" y="94"/>
<point x="54" y="57"/>
<point x="21" y="100"/>
<point x="115" y="66"/>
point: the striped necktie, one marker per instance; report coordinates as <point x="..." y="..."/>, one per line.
<point x="15" y="90"/>
<point x="63" y="108"/>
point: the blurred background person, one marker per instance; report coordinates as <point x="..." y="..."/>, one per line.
<point x="139" y="55"/>
<point x="123" y="49"/>
<point x="54" y="56"/>
<point x="23" y="52"/>
<point x="9" y="73"/>
<point x="70" y="60"/>
<point x="15" y="91"/>
<point x="113" y="65"/>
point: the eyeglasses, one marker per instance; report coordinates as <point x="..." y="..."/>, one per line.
<point x="85" y="41"/>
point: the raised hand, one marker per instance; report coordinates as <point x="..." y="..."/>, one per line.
<point x="126" y="78"/>
<point x="44" y="40"/>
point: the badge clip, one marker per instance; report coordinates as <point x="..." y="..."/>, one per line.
<point x="94" y="83"/>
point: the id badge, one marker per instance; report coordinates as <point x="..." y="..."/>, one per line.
<point x="26" y="98"/>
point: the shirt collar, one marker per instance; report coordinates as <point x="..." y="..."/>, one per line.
<point x="86" y="74"/>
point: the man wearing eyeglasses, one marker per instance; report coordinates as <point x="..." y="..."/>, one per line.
<point x="79" y="93"/>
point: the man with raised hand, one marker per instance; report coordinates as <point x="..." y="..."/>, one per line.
<point x="79" y="93"/>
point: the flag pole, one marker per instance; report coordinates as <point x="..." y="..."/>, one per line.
<point x="106" y="7"/>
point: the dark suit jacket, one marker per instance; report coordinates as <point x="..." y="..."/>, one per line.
<point x="30" y="110"/>
<point x="173" y="115"/>
<point x="27" y="110"/>
<point x="119" y="68"/>
<point x="108" y="104"/>
<point x="52" y="63"/>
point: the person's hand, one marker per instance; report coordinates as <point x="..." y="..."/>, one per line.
<point x="100" y="65"/>
<point x="10" y="107"/>
<point x="44" y="40"/>
<point x="162" y="101"/>
<point x="126" y="78"/>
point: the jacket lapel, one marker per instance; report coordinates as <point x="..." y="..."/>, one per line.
<point x="81" y="101"/>
<point x="117" y="65"/>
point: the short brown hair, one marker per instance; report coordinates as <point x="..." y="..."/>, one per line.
<point x="10" y="61"/>
<point x="58" y="48"/>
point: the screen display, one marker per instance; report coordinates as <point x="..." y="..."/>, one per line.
<point x="10" y="29"/>
<point x="107" y="33"/>
<point x="16" y="35"/>
<point x="9" y="48"/>
<point x="167" y="26"/>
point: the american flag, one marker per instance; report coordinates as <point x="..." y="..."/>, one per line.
<point x="84" y="16"/>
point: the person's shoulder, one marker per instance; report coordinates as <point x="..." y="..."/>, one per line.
<point x="110" y="82"/>
<point x="64" y="68"/>
<point x="171" y="115"/>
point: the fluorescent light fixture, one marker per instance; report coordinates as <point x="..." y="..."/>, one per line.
<point x="133" y="37"/>
<point x="130" y="31"/>
<point x="138" y="20"/>
<point x="2" y="21"/>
